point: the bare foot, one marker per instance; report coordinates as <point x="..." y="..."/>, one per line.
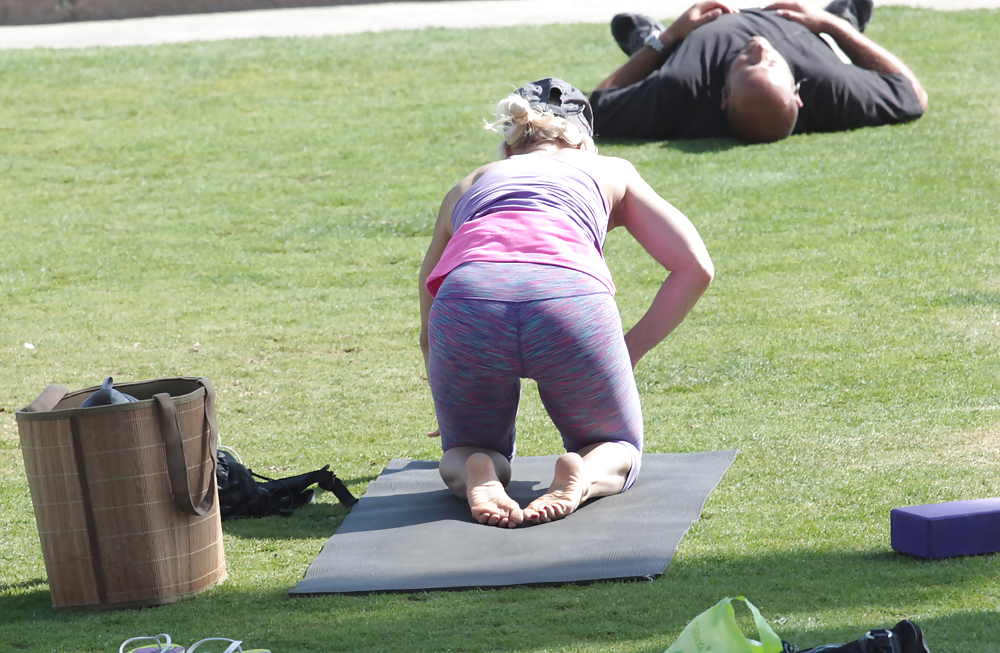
<point x="487" y="498"/>
<point x="569" y="489"/>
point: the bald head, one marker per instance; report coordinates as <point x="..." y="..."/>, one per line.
<point x="761" y="99"/>
<point x="760" y="111"/>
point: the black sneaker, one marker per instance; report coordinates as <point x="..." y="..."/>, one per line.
<point x="910" y="637"/>
<point x="630" y="30"/>
<point x="856" y="12"/>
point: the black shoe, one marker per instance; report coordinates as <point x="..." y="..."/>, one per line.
<point x="630" y="30"/>
<point x="856" y="12"/>
<point x="910" y="637"/>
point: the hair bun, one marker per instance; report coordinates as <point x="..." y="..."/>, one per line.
<point x="519" y="112"/>
<point x="521" y="124"/>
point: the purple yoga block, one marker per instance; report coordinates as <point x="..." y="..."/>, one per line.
<point x="946" y="530"/>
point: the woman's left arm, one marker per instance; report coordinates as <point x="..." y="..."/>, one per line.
<point x="670" y="238"/>
<point x="442" y="235"/>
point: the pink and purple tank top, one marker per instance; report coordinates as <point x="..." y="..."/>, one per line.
<point x="530" y="208"/>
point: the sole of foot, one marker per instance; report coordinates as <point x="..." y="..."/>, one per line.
<point x="487" y="497"/>
<point x="568" y="490"/>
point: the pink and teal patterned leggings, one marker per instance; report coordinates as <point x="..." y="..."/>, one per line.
<point x="573" y="347"/>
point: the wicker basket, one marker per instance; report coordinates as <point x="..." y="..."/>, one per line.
<point x="112" y="487"/>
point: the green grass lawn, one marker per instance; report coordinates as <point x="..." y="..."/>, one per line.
<point x="271" y="200"/>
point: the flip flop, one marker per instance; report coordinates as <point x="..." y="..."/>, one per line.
<point x="234" y="646"/>
<point x="163" y="645"/>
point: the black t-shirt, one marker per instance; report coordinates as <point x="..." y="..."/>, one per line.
<point x="683" y="98"/>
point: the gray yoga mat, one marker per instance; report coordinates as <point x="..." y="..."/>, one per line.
<point x="409" y="533"/>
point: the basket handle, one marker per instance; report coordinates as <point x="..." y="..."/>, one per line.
<point x="176" y="460"/>
<point x="213" y="426"/>
<point x="47" y="400"/>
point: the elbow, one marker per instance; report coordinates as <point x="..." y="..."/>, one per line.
<point x="704" y="272"/>
<point x="697" y="274"/>
<point x="424" y="340"/>
<point x="921" y="93"/>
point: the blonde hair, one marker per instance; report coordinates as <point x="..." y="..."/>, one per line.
<point x="522" y="126"/>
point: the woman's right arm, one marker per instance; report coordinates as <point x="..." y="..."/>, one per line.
<point x="670" y="238"/>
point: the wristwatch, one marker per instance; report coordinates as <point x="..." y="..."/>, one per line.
<point x="653" y="41"/>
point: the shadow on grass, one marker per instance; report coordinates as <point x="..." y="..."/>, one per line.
<point x="786" y="584"/>
<point x="696" y="146"/>
<point x="802" y="586"/>
<point x="28" y="584"/>
<point x="967" y="298"/>
<point x="350" y="482"/>
<point x="703" y="145"/>
<point x="308" y="522"/>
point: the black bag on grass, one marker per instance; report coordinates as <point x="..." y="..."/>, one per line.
<point x="905" y="637"/>
<point x="240" y="495"/>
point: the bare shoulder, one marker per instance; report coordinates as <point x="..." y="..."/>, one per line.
<point x="621" y="170"/>
<point x="612" y="174"/>
<point x="460" y="189"/>
<point x="475" y="175"/>
<point x="596" y="164"/>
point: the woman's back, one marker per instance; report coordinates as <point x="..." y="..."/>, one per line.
<point x="537" y="183"/>
<point x="530" y="208"/>
<point x="606" y="176"/>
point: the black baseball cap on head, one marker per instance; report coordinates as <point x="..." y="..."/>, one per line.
<point x="561" y="98"/>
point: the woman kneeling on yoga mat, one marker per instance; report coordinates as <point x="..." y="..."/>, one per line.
<point x="514" y="285"/>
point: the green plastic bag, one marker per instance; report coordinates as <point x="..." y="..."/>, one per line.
<point x="715" y="631"/>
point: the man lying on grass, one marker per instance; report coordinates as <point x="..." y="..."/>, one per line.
<point x="759" y="74"/>
<point x="514" y="285"/>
